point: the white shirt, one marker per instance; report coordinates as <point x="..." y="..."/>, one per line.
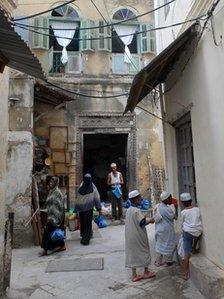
<point x="191" y="221"/>
<point x="115" y="180"/>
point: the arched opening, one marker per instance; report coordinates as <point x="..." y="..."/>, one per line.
<point x="63" y="42"/>
<point x="118" y="44"/>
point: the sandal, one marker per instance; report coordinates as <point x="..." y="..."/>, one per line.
<point x="137" y="278"/>
<point x="149" y="275"/>
<point x="185" y="276"/>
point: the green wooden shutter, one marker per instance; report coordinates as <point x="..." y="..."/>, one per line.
<point x="88" y="44"/>
<point x="147" y="39"/>
<point x="104" y="34"/>
<point x="152" y="37"/>
<point x="41" y="41"/>
<point x="135" y="65"/>
<point x="118" y="66"/>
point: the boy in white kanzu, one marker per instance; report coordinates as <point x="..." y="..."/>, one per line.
<point x="137" y="250"/>
<point x="192" y="230"/>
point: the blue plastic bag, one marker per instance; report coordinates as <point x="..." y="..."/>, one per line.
<point x="101" y="221"/>
<point x="57" y="235"/>
<point x="117" y="192"/>
<point x="127" y="204"/>
<point x="145" y="204"/>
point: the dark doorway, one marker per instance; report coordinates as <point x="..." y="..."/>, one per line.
<point x="99" y="151"/>
<point x="185" y="155"/>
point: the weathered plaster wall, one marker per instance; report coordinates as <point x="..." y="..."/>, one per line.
<point x="3" y="149"/>
<point x="20" y="156"/>
<point x="201" y="87"/>
<point x="19" y="179"/>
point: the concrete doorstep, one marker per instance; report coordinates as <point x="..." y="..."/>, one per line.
<point x="207" y="277"/>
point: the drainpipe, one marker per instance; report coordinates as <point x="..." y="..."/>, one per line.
<point x="163" y="115"/>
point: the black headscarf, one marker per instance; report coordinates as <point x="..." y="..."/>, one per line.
<point x="87" y="185"/>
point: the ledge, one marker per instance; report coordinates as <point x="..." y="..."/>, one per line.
<point x="207" y="277"/>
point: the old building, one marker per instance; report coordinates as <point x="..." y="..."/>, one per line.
<point x="90" y="131"/>
<point x="189" y="67"/>
<point x="14" y="53"/>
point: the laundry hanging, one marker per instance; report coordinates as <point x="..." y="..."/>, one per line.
<point x="128" y="30"/>
<point x="63" y="37"/>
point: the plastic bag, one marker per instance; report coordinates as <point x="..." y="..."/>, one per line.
<point x="117" y="192"/>
<point x="180" y="248"/>
<point x="127" y="204"/>
<point x="57" y="235"/>
<point x="145" y="204"/>
<point x="101" y="221"/>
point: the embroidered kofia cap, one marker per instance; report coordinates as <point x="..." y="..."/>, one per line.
<point x="164" y="195"/>
<point x="133" y="194"/>
<point x="185" y="197"/>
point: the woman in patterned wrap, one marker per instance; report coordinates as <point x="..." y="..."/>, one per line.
<point x="55" y="218"/>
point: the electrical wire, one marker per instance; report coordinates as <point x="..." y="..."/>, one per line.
<point x="43" y="12"/>
<point x="109" y="37"/>
<point x="85" y="95"/>
<point x="95" y="27"/>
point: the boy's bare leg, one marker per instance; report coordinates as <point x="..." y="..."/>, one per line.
<point x="185" y="274"/>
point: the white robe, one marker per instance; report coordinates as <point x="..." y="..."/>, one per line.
<point x="137" y="250"/>
<point x="164" y="231"/>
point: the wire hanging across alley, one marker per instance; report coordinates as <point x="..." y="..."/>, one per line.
<point x="124" y="35"/>
<point x="43" y="12"/>
<point x="93" y="27"/>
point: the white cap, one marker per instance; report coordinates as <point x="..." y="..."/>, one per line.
<point x="185" y="197"/>
<point x="133" y="194"/>
<point x="113" y="165"/>
<point x="164" y="195"/>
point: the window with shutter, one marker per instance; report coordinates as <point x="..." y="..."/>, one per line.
<point x="74" y="64"/>
<point x="104" y="34"/>
<point x="40" y="39"/>
<point x="88" y="44"/>
<point x="147" y="39"/>
<point x="135" y="64"/>
<point x="24" y="33"/>
<point x="121" y="68"/>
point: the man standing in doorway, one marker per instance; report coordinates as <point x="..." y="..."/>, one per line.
<point x="115" y="181"/>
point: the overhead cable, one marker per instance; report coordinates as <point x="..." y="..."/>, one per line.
<point x="94" y="27"/>
<point x="42" y="12"/>
<point x="109" y="37"/>
<point x="86" y="95"/>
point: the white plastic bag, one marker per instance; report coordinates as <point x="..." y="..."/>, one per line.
<point x="180" y="248"/>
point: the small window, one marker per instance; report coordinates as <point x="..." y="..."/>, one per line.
<point x="66" y="12"/>
<point x="123" y="14"/>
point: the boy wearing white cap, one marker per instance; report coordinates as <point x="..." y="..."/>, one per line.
<point x="137" y="250"/>
<point x="164" y="230"/>
<point x="192" y="229"/>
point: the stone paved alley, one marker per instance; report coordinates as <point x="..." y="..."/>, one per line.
<point x="29" y="279"/>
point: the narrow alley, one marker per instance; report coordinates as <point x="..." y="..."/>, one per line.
<point x="30" y="280"/>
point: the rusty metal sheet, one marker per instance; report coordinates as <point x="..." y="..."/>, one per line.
<point x="161" y="66"/>
<point x="16" y="51"/>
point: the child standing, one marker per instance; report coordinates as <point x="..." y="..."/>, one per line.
<point x="164" y="216"/>
<point x="137" y="249"/>
<point x="192" y="230"/>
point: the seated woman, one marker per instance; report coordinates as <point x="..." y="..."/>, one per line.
<point x="88" y="197"/>
<point x="55" y="218"/>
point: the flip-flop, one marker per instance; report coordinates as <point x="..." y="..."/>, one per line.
<point x="137" y="278"/>
<point x="185" y="276"/>
<point x="149" y="275"/>
<point x="60" y="249"/>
